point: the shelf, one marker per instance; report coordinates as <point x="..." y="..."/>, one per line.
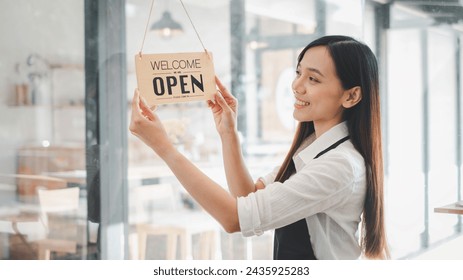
<point x="450" y="209"/>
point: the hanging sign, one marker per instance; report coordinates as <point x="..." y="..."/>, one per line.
<point x="175" y="77"/>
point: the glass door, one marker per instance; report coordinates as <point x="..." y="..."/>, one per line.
<point x="43" y="196"/>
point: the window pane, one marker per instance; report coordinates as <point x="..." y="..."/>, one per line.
<point x="43" y="208"/>
<point x="164" y="221"/>
<point x="443" y="177"/>
<point x="405" y="181"/>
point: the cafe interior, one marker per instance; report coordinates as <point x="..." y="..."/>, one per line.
<point x="75" y="184"/>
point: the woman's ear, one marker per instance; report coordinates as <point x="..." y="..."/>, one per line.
<point x="352" y="96"/>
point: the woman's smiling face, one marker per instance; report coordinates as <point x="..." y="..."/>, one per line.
<point x="317" y="89"/>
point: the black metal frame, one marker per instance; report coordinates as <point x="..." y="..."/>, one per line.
<point x="106" y="124"/>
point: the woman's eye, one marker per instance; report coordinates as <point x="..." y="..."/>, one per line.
<point x="312" y="79"/>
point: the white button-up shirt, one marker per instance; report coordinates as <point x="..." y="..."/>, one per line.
<point x="328" y="192"/>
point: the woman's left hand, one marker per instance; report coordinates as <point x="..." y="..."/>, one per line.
<point x="224" y="110"/>
<point x="147" y="126"/>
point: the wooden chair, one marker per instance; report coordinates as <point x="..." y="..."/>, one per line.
<point x="166" y="219"/>
<point x="58" y="205"/>
<point x="19" y="216"/>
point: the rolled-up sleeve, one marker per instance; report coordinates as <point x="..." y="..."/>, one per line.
<point x="249" y="208"/>
<point x="249" y="216"/>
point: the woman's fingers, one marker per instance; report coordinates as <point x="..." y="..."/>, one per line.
<point x="136" y="114"/>
<point x="136" y="106"/>
<point x="221" y="101"/>
<point x="135" y="100"/>
<point x="219" y="84"/>
<point x="223" y="89"/>
<point x="227" y="96"/>
<point x="139" y="108"/>
<point x="146" y="110"/>
<point x="215" y="108"/>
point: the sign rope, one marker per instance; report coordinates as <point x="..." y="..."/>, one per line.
<point x="188" y="15"/>
<point x="197" y="34"/>
<point x="146" y="28"/>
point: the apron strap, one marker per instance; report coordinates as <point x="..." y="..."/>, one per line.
<point x="339" y="142"/>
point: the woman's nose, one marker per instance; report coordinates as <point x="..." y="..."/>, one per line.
<point x="298" y="86"/>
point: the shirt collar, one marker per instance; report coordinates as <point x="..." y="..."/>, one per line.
<point x="328" y="138"/>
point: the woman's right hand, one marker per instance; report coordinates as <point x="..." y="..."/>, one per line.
<point x="147" y="126"/>
<point x="224" y="109"/>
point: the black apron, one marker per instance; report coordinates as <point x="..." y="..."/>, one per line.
<point x="292" y="242"/>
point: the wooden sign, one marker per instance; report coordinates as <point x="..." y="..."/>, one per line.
<point x="175" y="77"/>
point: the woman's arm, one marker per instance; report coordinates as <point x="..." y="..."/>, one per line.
<point x="212" y="197"/>
<point x="224" y="109"/>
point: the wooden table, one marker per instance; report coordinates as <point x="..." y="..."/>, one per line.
<point x="450" y="209"/>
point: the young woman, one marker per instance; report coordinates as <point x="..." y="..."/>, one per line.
<point x="332" y="177"/>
